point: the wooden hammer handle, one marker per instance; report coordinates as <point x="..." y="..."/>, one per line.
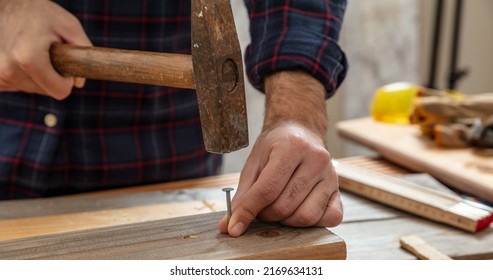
<point x="162" y="69"/>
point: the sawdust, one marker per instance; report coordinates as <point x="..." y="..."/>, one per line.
<point x="207" y="205"/>
<point x="189" y="237"/>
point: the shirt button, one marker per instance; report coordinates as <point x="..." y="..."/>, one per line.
<point x="50" y="120"/>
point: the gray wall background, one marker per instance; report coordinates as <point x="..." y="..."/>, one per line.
<point x="386" y="41"/>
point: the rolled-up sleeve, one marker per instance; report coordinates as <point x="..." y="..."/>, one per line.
<point x="296" y="35"/>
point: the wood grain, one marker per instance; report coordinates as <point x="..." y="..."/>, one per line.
<point x="205" y="182"/>
<point x="463" y="169"/>
<point x="421" y="249"/>
<point x="190" y="237"/>
<point x="36" y="217"/>
<point x="218" y="69"/>
<point x="43" y="225"/>
<point x="378" y="239"/>
<point x="370" y="230"/>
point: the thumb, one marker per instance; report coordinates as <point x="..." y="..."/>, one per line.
<point x="245" y="211"/>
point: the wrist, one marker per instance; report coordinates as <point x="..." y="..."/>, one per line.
<point x="295" y="97"/>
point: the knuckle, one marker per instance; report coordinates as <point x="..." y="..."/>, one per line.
<point x="309" y="218"/>
<point x="247" y="213"/>
<point x="24" y="61"/>
<point x="297" y="140"/>
<point x="334" y="177"/>
<point x="321" y="158"/>
<point x="283" y="167"/>
<point x="295" y="188"/>
<point x="72" y="22"/>
<point x="322" y="155"/>
<point x="323" y="201"/>
<point x="334" y="213"/>
<point x="312" y="217"/>
<point x="335" y="218"/>
<point x="269" y="191"/>
<point x="7" y="72"/>
<point x="60" y="95"/>
<point x="281" y="210"/>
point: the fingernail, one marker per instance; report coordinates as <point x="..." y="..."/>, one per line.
<point x="79" y="82"/>
<point x="237" y="229"/>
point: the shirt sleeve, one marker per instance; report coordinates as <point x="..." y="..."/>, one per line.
<point x="296" y="35"/>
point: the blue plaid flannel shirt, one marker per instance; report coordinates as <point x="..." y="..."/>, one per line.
<point x="111" y="135"/>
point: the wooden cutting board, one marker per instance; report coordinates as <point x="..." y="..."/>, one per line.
<point x="467" y="170"/>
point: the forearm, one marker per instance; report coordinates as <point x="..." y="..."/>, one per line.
<point x="295" y="97"/>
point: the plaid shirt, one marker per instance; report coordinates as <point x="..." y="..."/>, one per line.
<point x="111" y="135"/>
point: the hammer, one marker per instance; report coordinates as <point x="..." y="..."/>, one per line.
<point x="214" y="69"/>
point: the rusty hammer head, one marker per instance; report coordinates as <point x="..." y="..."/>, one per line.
<point x="218" y="74"/>
<point x="216" y="63"/>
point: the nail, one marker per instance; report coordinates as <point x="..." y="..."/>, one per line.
<point x="228" y="201"/>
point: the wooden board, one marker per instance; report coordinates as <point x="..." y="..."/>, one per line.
<point x="378" y="238"/>
<point x="373" y="231"/>
<point x="60" y="223"/>
<point x="36" y="217"/>
<point x="424" y="251"/>
<point x="190" y="237"/>
<point x="467" y="170"/>
<point x="199" y="199"/>
<point x="370" y="230"/>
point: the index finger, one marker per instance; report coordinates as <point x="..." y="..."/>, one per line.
<point x="263" y="192"/>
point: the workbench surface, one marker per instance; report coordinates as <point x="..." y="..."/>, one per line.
<point x="370" y="230"/>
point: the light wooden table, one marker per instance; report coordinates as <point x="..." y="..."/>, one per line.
<point x="370" y="230"/>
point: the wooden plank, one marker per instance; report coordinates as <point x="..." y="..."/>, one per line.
<point x="227" y="180"/>
<point x="29" y="208"/>
<point x="379" y="239"/>
<point x="191" y="237"/>
<point x="35" y="217"/>
<point x="415" y="199"/>
<point x="467" y="170"/>
<point x="424" y="251"/>
<point x="43" y="225"/>
<point x="58" y="221"/>
<point x="58" y="217"/>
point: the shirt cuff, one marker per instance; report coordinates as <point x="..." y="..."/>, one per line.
<point x="296" y="35"/>
<point x="298" y="50"/>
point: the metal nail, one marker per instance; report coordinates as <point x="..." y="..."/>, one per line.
<point x="228" y="200"/>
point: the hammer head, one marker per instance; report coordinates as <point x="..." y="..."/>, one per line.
<point x="218" y="74"/>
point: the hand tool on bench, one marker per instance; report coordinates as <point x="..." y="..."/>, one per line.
<point x="421" y="249"/>
<point x="415" y="199"/>
<point x="214" y="69"/>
